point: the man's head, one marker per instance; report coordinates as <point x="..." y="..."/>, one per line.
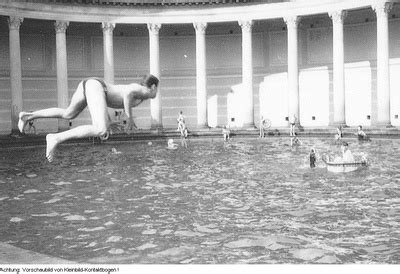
<point x="345" y="146"/>
<point x="150" y="80"/>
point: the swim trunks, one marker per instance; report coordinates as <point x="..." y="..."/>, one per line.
<point x="101" y="81"/>
<point x="361" y="137"/>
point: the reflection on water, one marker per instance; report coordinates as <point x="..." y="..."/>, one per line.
<point x="248" y="201"/>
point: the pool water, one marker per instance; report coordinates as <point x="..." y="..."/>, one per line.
<point x="247" y="201"/>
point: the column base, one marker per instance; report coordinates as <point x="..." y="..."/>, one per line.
<point x="338" y="124"/>
<point x="16" y="133"/>
<point x="158" y="128"/>
<point x="383" y="124"/>
<point x="202" y="127"/>
<point x="299" y="127"/>
<point x="249" y="126"/>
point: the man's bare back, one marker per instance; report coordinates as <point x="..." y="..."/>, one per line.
<point x="117" y="93"/>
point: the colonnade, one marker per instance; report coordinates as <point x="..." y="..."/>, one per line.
<point x="62" y="72"/>
<point x="383" y="86"/>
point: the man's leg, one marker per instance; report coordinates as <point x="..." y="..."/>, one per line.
<point x="78" y="103"/>
<point x="97" y="105"/>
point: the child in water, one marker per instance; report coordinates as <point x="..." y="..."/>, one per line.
<point x="361" y="135"/>
<point x="181" y="122"/>
<point x="292" y="125"/>
<point x="295" y="141"/>
<point x="339" y="133"/>
<point x="226" y="133"/>
<point x="171" y="144"/>
<point x="313" y="158"/>
<point x="262" y="126"/>
<point x="347" y="156"/>
<point x="184" y="135"/>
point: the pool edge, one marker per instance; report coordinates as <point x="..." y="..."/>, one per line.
<point x="10" y="140"/>
<point x="10" y="254"/>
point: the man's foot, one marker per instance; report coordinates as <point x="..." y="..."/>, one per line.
<point x="22" y="122"/>
<point x="50" y="147"/>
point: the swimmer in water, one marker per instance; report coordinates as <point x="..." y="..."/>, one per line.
<point x="295" y="141"/>
<point x="184" y="135"/>
<point x="347" y="156"/>
<point x="226" y="133"/>
<point x="361" y="135"/>
<point x="292" y="125"/>
<point x="313" y="158"/>
<point x="115" y="151"/>
<point x="171" y="144"/>
<point x="97" y="96"/>
<point x="181" y="122"/>
<point x="339" y="133"/>
<point x="262" y="127"/>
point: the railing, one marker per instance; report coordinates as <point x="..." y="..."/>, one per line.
<point x="153" y="2"/>
<point x="108" y="10"/>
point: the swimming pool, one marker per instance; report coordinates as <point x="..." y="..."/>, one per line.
<point x="247" y="201"/>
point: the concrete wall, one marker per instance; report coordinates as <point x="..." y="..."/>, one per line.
<point x="224" y="68"/>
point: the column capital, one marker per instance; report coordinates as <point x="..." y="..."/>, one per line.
<point x="14" y="22"/>
<point x="108" y="27"/>
<point x="337" y="16"/>
<point x="200" y="27"/>
<point x="154" y="28"/>
<point x="382" y="9"/>
<point x="61" y="26"/>
<point x="292" y="21"/>
<point x="246" y="25"/>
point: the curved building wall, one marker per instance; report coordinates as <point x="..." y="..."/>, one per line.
<point x="224" y="66"/>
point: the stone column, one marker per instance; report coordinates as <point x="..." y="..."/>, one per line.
<point x="247" y="73"/>
<point x="383" y="79"/>
<point x="339" y="115"/>
<point x="201" y="74"/>
<point x="62" y="71"/>
<point x="293" y="66"/>
<point x="154" y="44"/>
<point x="108" y="29"/>
<point x="15" y="71"/>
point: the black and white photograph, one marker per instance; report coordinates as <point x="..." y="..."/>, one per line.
<point x="199" y="136"/>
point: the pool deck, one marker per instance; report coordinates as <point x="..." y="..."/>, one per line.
<point x="13" y="255"/>
<point x="9" y="140"/>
